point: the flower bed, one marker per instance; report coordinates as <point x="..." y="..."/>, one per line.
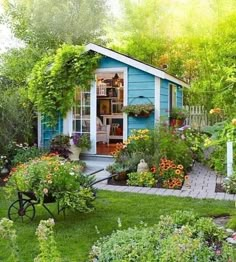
<point x="167" y="157"/>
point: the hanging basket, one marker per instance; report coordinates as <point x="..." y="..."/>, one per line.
<point x="139" y="110"/>
<point x="142" y="114"/>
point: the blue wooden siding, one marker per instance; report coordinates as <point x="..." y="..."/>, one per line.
<point x="179" y="96"/>
<point x="47" y="132"/>
<point x="141" y="87"/>
<point x="164" y="97"/>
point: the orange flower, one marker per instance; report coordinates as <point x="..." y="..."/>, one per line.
<point x="177" y="172"/>
<point x="186" y="177"/>
<point x="180" y="167"/>
<point x="162" y="165"/>
<point x="173" y="166"/>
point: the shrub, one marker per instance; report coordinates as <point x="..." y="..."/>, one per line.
<point x="168" y="144"/>
<point x="26" y="153"/>
<point x="165" y="242"/>
<point x="141" y="179"/>
<point x="230" y="184"/>
<point x="195" y="141"/>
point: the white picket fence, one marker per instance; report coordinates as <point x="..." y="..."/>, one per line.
<point x="197" y="117"/>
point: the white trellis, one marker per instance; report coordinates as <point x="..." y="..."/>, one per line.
<point x="197" y="116"/>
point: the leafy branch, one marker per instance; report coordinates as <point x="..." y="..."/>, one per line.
<point x="55" y="77"/>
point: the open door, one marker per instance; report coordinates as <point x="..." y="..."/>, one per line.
<point x="109" y="118"/>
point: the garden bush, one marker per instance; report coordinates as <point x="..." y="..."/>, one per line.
<point x="220" y="134"/>
<point x="24" y="153"/>
<point x="17" y="119"/>
<point x="166" y="241"/>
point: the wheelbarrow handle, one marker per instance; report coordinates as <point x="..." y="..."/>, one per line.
<point x="103" y="179"/>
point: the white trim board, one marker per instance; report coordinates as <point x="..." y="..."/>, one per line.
<point x="129" y="61"/>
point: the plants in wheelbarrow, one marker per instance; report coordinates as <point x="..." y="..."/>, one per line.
<point x="50" y="176"/>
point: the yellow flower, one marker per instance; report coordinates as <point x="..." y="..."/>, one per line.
<point x="234" y="122"/>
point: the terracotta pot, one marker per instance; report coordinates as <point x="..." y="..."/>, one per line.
<point x="176" y="122"/>
<point x="179" y="122"/>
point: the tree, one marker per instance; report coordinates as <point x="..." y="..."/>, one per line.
<point x="47" y="24"/>
<point x="194" y="40"/>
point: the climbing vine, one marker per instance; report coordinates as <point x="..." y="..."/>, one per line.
<point x="55" y="77"/>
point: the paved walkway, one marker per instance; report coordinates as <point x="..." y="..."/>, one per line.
<point x="201" y="183"/>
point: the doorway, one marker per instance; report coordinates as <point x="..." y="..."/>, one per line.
<point x="109" y="118"/>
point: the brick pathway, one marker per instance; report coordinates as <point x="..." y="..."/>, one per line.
<point x="201" y="184"/>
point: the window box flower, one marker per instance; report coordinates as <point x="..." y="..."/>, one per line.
<point x="138" y="110"/>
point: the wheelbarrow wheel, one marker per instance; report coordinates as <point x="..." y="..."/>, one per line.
<point x="24" y="211"/>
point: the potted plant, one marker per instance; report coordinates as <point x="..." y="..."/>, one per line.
<point x="49" y="177"/>
<point x="60" y="144"/>
<point x="177" y="116"/>
<point x="138" y="110"/>
<point x="119" y="169"/>
<point x="80" y="142"/>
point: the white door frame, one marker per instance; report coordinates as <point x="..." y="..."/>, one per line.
<point x="123" y="70"/>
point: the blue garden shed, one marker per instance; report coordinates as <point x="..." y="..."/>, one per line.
<point x="119" y="81"/>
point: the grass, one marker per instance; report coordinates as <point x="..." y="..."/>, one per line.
<point x="76" y="233"/>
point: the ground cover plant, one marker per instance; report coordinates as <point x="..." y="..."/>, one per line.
<point x="181" y="236"/>
<point x="76" y="233"/>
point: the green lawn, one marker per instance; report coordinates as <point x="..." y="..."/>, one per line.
<point x="76" y="234"/>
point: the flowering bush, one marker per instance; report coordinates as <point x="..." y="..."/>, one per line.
<point x="170" y="174"/>
<point x="178" y="113"/>
<point x="138" y="109"/>
<point x="82" y="141"/>
<point x="48" y="175"/>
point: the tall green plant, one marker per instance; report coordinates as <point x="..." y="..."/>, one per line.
<point x="17" y="119"/>
<point x="8" y="235"/>
<point x="54" y="79"/>
<point x="47" y="243"/>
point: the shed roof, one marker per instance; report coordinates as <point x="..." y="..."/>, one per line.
<point x="135" y="63"/>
